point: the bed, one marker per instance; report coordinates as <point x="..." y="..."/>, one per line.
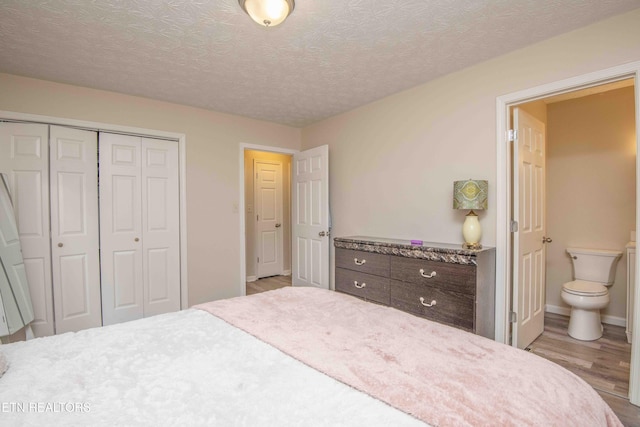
<point x="295" y="356"/>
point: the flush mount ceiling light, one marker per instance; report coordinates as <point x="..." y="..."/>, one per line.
<point x="268" y="12"/>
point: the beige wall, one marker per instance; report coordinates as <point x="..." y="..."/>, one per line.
<point x="591" y="192"/>
<point x="393" y="162"/>
<point x="285" y="159"/>
<point x="213" y="162"/>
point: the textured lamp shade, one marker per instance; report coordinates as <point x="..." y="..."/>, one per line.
<point x="268" y="12"/>
<point x="471" y="194"/>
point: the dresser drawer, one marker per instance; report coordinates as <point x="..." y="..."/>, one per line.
<point x="365" y="262"/>
<point x="451" y="308"/>
<point x="363" y="285"/>
<point x="442" y="275"/>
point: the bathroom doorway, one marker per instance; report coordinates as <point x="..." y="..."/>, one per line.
<point x="588" y="199"/>
<point x="587" y="191"/>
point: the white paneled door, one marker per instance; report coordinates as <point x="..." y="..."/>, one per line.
<point x="94" y="252"/>
<point x="529" y="241"/>
<point x="24" y="157"/>
<point x="268" y="203"/>
<point x="120" y="228"/>
<point x="139" y="221"/>
<point x="311" y="223"/>
<point x="75" y="244"/>
<point x="53" y="174"/>
<point x="160" y="226"/>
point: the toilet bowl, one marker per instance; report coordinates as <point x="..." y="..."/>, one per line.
<point x="594" y="272"/>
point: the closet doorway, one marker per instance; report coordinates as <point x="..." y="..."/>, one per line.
<point x="68" y="211"/>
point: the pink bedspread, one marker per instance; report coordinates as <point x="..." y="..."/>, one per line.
<point x="441" y="375"/>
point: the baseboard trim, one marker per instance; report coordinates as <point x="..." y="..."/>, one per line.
<point x="286" y="273"/>
<point x="251" y="278"/>
<point x="566" y="311"/>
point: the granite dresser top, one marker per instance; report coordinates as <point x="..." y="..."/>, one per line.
<point x="443" y="252"/>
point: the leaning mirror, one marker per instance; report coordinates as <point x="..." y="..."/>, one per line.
<point x="14" y="288"/>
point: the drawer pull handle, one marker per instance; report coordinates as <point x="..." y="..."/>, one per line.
<point x="425" y="304"/>
<point x="359" y="286"/>
<point x="359" y="262"/>
<point x="428" y="276"/>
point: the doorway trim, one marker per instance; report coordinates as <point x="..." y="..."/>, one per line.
<point x="241" y="205"/>
<point x="503" y="196"/>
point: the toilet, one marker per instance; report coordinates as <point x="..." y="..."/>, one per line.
<point x="594" y="270"/>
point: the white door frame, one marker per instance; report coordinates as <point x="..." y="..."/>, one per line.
<point x="241" y="205"/>
<point x="130" y="130"/>
<point x="503" y="195"/>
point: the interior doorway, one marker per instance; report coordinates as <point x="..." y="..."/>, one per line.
<point x="573" y="186"/>
<point x="505" y="229"/>
<point x="586" y="141"/>
<point x="309" y="209"/>
<point x="267" y="196"/>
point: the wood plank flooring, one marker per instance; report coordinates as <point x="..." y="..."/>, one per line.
<point x="268" y="284"/>
<point x="603" y="363"/>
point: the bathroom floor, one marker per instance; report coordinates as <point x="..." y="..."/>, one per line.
<point x="603" y="363"/>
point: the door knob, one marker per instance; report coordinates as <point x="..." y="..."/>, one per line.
<point x="322" y="234"/>
<point x="60" y="245"/>
<point x="136" y="239"/>
<point x="546" y="239"/>
<point x="278" y="225"/>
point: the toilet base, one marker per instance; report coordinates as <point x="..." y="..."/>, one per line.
<point x="585" y="325"/>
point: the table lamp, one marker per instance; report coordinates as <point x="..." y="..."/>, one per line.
<point x="471" y="194"/>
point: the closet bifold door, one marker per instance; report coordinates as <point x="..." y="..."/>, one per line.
<point x="120" y="228"/>
<point x="75" y="263"/>
<point x="161" y="226"/>
<point x="24" y="157"/>
<point x="139" y="226"/>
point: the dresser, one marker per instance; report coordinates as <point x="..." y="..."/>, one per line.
<point x="440" y="282"/>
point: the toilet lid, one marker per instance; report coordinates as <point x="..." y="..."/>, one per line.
<point x="582" y="287"/>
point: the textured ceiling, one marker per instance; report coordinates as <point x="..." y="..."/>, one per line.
<point x="328" y="57"/>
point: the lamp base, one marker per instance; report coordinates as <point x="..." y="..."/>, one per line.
<point x="473" y="246"/>
<point x="471" y="231"/>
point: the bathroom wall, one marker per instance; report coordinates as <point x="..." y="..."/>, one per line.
<point x="537" y="109"/>
<point x="591" y="156"/>
<point x="250" y="237"/>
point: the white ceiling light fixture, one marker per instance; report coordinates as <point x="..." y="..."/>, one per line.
<point x="268" y="13"/>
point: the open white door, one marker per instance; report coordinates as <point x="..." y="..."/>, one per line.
<point x="310" y="234"/>
<point x="529" y="241"/>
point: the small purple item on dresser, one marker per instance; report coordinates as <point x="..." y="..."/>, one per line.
<point x="416" y="242"/>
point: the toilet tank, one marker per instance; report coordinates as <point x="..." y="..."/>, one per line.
<point x="594" y="265"/>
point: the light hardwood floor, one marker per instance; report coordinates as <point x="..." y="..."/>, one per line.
<point x="268" y="284"/>
<point x="603" y="363"/>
